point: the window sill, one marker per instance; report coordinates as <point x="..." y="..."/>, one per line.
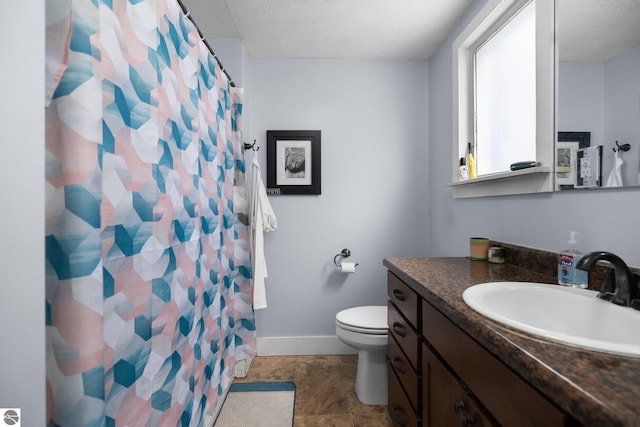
<point x="525" y="181"/>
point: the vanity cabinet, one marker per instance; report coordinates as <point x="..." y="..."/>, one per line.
<point x="439" y="376"/>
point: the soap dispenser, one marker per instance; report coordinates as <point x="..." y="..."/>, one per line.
<point x="568" y="274"/>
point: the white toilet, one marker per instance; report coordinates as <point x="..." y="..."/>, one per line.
<point x="365" y="329"/>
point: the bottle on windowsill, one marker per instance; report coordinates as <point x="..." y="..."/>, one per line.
<point x="471" y="163"/>
<point x="463" y="170"/>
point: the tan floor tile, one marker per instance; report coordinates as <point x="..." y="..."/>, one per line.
<point x="306" y="400"/>
<point x="357" y="407"/>
<point x="321" y="397"/>
<point x="334" y="400"/>
<point x="323" y="421"/>
<point x="332" y="366"/>
<point x="381" y="420"/>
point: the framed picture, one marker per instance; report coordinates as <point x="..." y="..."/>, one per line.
<point x="566" y="157"/>
<point x="293" y="161"/>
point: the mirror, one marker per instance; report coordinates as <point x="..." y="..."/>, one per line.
<point x="598" y="101"/>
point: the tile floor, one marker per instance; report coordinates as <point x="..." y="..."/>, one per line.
<point x="325" y="390"/>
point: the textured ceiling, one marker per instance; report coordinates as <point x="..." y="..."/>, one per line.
<point x="381" y="29"/>
<point x="597" y="30"/>
<point x="588" y="30"/>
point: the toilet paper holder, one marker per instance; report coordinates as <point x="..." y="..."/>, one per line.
<point x="345" y="253"/>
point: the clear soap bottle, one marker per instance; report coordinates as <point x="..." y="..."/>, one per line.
<point x="568" y="274"/>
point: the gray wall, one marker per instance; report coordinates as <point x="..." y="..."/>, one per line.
<point x="22" y="372"/>
<point x="373" y="118"/>
<point x="605" y="219"/>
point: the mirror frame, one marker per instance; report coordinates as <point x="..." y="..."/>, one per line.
<point x="489" y="20"/>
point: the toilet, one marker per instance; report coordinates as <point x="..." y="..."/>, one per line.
<point x="365" y="329"/>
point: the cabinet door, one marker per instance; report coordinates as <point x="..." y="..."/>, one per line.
<point x="445" y="402"/>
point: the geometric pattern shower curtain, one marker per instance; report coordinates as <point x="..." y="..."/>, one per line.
<point x="148" y="295"/>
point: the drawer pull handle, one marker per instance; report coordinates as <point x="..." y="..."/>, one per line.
<point x="457" y="405"/>
<point x="397" y="364"/>
<point x="397" y="294"/>
<point x="458" y="408"/>
<point x="465" y="421"/>
<point x="398" y="328"/>
<point x="399" y="421"/>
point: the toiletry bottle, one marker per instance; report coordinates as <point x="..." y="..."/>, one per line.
<point x="568" y="274"/>
<point x="471" y="163"/>
<point x="463" y="170"/>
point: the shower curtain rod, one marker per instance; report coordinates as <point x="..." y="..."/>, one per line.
<point x="206" y="43"/>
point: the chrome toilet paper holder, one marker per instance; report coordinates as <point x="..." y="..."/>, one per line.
<point x="345" y="253"/>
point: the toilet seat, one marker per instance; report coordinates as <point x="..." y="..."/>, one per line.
<point x="365" y="320"/>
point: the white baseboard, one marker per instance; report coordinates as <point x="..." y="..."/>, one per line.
<point x="298" y="346"/>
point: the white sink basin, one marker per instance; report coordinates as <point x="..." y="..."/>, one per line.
<point x="569" y="315"/>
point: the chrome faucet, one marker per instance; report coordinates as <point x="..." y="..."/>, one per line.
<point x="621" y="286"/>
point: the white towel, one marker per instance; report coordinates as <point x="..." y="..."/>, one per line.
<point x="263" y="220"/>
<point x="615" y="177"/>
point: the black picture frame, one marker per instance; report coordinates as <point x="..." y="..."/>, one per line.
<point x="582" y="138"/>
<point x="293" y="161"/>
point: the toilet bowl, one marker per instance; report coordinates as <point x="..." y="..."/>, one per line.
<point x="365" y="329"/>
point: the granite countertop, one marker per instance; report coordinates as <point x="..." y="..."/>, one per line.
<point x="597" y="389"/>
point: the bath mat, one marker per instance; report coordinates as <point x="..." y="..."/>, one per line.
<point x="258" y="404"/>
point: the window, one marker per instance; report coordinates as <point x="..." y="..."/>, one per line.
<point x="505" y="94"/>
<point x="504" y="67"/>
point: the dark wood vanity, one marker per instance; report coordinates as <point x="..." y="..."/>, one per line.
<point x="450" y="366"/>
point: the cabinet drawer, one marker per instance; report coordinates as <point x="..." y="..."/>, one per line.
<point x="407" y="375"/>
<point x="446" y="403"/>
<point x="400" y="410"/>
<point x="506" y="396"/>
<point x="404" y="334"/>
<point x="404" y="298"/>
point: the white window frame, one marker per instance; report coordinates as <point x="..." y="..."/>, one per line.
<point x="483" y="26"/>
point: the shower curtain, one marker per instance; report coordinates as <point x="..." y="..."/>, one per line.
<point x="148" y="296"/>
